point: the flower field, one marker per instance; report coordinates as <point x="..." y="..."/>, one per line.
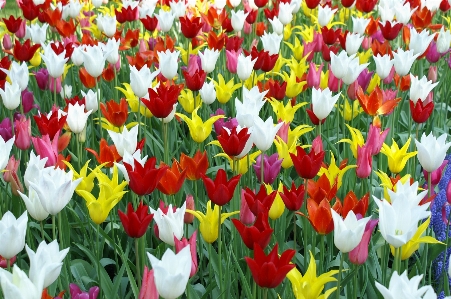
<point x="225" y="149"/>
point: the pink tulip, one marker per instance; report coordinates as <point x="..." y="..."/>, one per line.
<point x="314" y="75"/>
<point x="375" y="139"/>
<point x="46" y="148"/>
<point x="179" y="245"/>
<point x="22" y="29"/>
<point x="232" y="60"/>
<point x="11" y="167"/>
<point x="283" y="132"/>
<point x="364" y="161"/>
<point x="7" y="43"/>
<point x="148" y="288"/>
<point x="390" y="77"/>
<point x="332" y="82"/>
<point x="246" y="216"/>
<point x="189" y="218"/>
<point x="22" y="130"/>
<point x="52" y="84"/>
<point x="271" y="167"/>
<point x="359" y="254"/>
<point x="432" y="73"/>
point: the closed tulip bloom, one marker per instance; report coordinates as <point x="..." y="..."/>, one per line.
<point x="403" y="61"/>
<point x="323" y="102"/>
<point x="141" y="80"/>
<point x="286" y="12"/>
<point x="270" y="270"/>
<point x="46" y="262"/>
<point x="277" y="26"/>
<point x="171" y="272"/>
<point x="38" y="34"/>
<point x="220" y="190"/>
<point x="245" y="66"/>
<point x="208" y="59"/>
<point x="136" y="222"/>
<point x="11" y="95"/>
<point x="375" y="139"/>
<point x="195" y="166"/>
<point x="293" y="198"/>
<point x="77" y="117"/>
<point x="238" y="19"/>
<point x="208" y="93"/>
<point x="271" y="167"/>
<point x="401" y="287"/>
<point x="94" y="60"/>
<point x="271" y="42"/>
<point x="55" y="189"/>
<point x="170" y="225"/>
<point x="359" y="255"/>
<point x="22" y="129"/>
<point x="432" y="151"/>
<point x="18" y="286"/>
<point x="54" y="62"/>
<point x="106" y="24"/>
<point x="364" y="161"/>
<point x="5" y="150"/>
<point x="339" y="64"/>
<point x="34" y="167"/>
<point x="348" y="232"/>
<point x="359" y="25"/>
<point x="249" y="108"/>
<point x="403" y="12"/>
<point x="263" y="133"/>
<point x="148" y="289"/>
<point x="33" y="205"/>
<point x="12" y="234"/>
<point x="420" y="89"/>
<point x="168" y="63"/>
<point x="165" y="20"/>
<point x="325" y="14"/>
<point x="126" y="141"/>
<point x="443" y="40"/>
<point x="353" y="42"/>
<point x="384" y="65"/>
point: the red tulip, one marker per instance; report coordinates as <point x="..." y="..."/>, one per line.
<point x="26" y="51"/>
<point x="172" y="180"/>
<point x="115" y="113"/>
<point x="190" y="27"/>
<point x="308" y="166"/>
<point x="421" y="112"/>
<point x="136" y="222"/>
<point x="144" y="179"/>
<point x="259" y="233"/>
<point x="161" y="102"/>
<point x="390" y="32"/>
<point x="220" y="191"/>
<point x="293" y="198"/>
<point x="270" y="270"/>
<point x="107" y="154"/>
<point x="350" y="203"/>
<point x="196" y="80"/>
<point x="195" y="166"/>
<point x="260" y="202"/>
<point x="150" y="23"/>
<point x="233" y="142"/>
<point x="12" y="24"/>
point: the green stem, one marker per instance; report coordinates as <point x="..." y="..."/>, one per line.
<point x="354" y="287"/>
<point x="254" y="290"/>
<point x="53" y="227"/>
<point x="294" y="231"/>
<point x="397" y="261"/>
<point x="220" y="253"/>
<point x="304" y="225"/>
<point x="265" y="293"/>
<point x="60" y="231"/>
<point x="42" y="231"/>
<point x="322" y="267"/>
<point x="8" y="265"/>
<point x="262" y="167"/>
<point x="138" y="267"/>
<point x="340" y="270"/>
<point x="55" y="102"/>
<point x="98" y="259"/>
<point x="98" y="108"/>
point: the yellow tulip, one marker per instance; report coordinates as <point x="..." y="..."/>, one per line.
<point x="111" y="192"/>
<point x="365" y="56"/>
<point x="397" y="158"/>
<point x="36" y="59"/>
<point x="87" y="183"/>
<point x="324" y="80"/>
<point x="279" y="64"/>
<point x="109" y="126"/>
<point x="294" y="88"/>
<point x="284" y="150"/>
<point x="375" y="81"/>
<point x="186" y="99"/>
<point x="356" y="140"/>
<point x="310" y="286"/>
<point x="285" y="113"/>
<point x="293" y="135"/>
<point x="334" y="173"/>
<point x="209" y="222"/>
<point x="225" y="90"/>
<point x="298" y="67"/>
<point x="253" y="79"/>
<point x="277" y="207"/>
<point x="297" y="49"/>
<point x="410" y="247"/>
<point x="198" y="129"/>
<point x="349" y="112"/>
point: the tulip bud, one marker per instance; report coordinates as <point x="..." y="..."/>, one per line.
<point x="11" y="167"/>
<point x="432" y="74"/>
<point x="148" y="288"/>
<point x="246" y="216"/>
<point x="7" y="44"/>
<point x="189" y="218"/>
<point x="82" y="135"/>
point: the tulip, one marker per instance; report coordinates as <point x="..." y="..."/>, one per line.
<point x="286" y="11"/>
<point x="384" y="65"/>
<point x="209" y="222"/>
<point x="271" y="43"/>
<point x="259" y="233"/>
<point x="420" y="89"/>
<point x="18" y="286"/>
<point x="220" y="190"/>
<point x="5" y="129"/>
<point x="208" y="59"/>
<point x="208" y="93"/>
<point x="311" y="286"/>
<point x="421" y="111"/>
<point x="94" y="60"/>
<point x="263" y="133"/>
<point x="348" y="232"/>
<point x="196" y="166"/>
<point x="246" y="215"/>
<point x="179" y="245"/>
<point x="106" y="23"/>
<point x="238" y="19"/>
<point x="403" y="61"/>
<point x="359" y="25"/>
<point x="141" y="80"/>
<point x="46" y="262"/>
<point x="234" y="142"/>
<point x="323" y="102"/>
<point x="403" y="12"/>
<point x="397" y="158"/>
<point x="12" y="233"/>
<point x="245" y="66"/>
<point x="54" y="188"/>
<point x="199" y="130"/>
<point x="432" y="151"/>
<point x="5" y="150"/>
<point x="277" y="26"/>
<point x="190" y="27"/>
<point x="168" y="63"/>
<point x="170" y="225"/>
<point x="54" y="62"/>
<point x="144" y="177"/>
<point x="11" y="95"/>
<point x="401" y="287"/>
<point x="136" y="222"/>
<point x="162" y="100"/>
<point x="375" y="139"/>
<point x="22" y="129"/>
<point x="307" y="166"/>
<point x="148" y="288"/>
<point x="398" y="222"/>
<point x="115" y="113"/>
<point x="419" y="42"/>
<point x="172" y="180"/>
<point x="33" y="205"/>
<point x="194" y="80"/>
<point x="171" y="272"/>
<point x="247" y="110"/>
<point x="293" y="198"/>
<point x="436" y="175"/>
<point x="270" y="270"/>
<point x="76" y="293"/>
<point x="359" y="255"/>
<point x="260" y="202"/>
<point x="271" y="167"/>
<point x="125" y="141"/>
<point x="364" y="161"/>
<point x="77" y="117"/>
<point x="18" y="73"/>
<point x="443" y="40"/>
<point x="325" y="14"/>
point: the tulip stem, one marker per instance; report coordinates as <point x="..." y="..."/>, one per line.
<point x="265" y="293"/>
<point x="98" y="259"/>
<point x="42" y="231"/>
<point x="60" y="231"/>
<point x="99" y="96"/>
<point x="429" y="184"/>
<point x="397" y="261"/>
<point x="8" y="265"/>
<point x="220" y="253"/>
<point x="53" y="227"/>
<point x="262" y="166"/>
<point x="340" y="270"/>
<point x="165" y="143"/>
<point x="354" y="284"/>
<point x="322" y="268"/>
<point x="54" y="93"/>
<point x="138" y="267"/>
<point x="294" y="231"/>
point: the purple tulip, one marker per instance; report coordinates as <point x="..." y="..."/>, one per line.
<point x="42" y="78"/>
<point x="28" y="101"/>
<point x="229" y="123"/>
<point x="271" y="168"/>
<point x="5" y="129"/>
<point x="76" y="293"/>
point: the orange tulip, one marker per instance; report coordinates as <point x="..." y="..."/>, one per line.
<point x="108" y="154"/>
<point x="373" y="104"/>
<point x="115" y="113"/>
<point x="172" y="180"/>
<point x="320" y="215"/>
<point x="351" y="203"/>
<point x="321" y="189"/>
<point x="87" y="80"/>
<point x="195" y="167"/>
